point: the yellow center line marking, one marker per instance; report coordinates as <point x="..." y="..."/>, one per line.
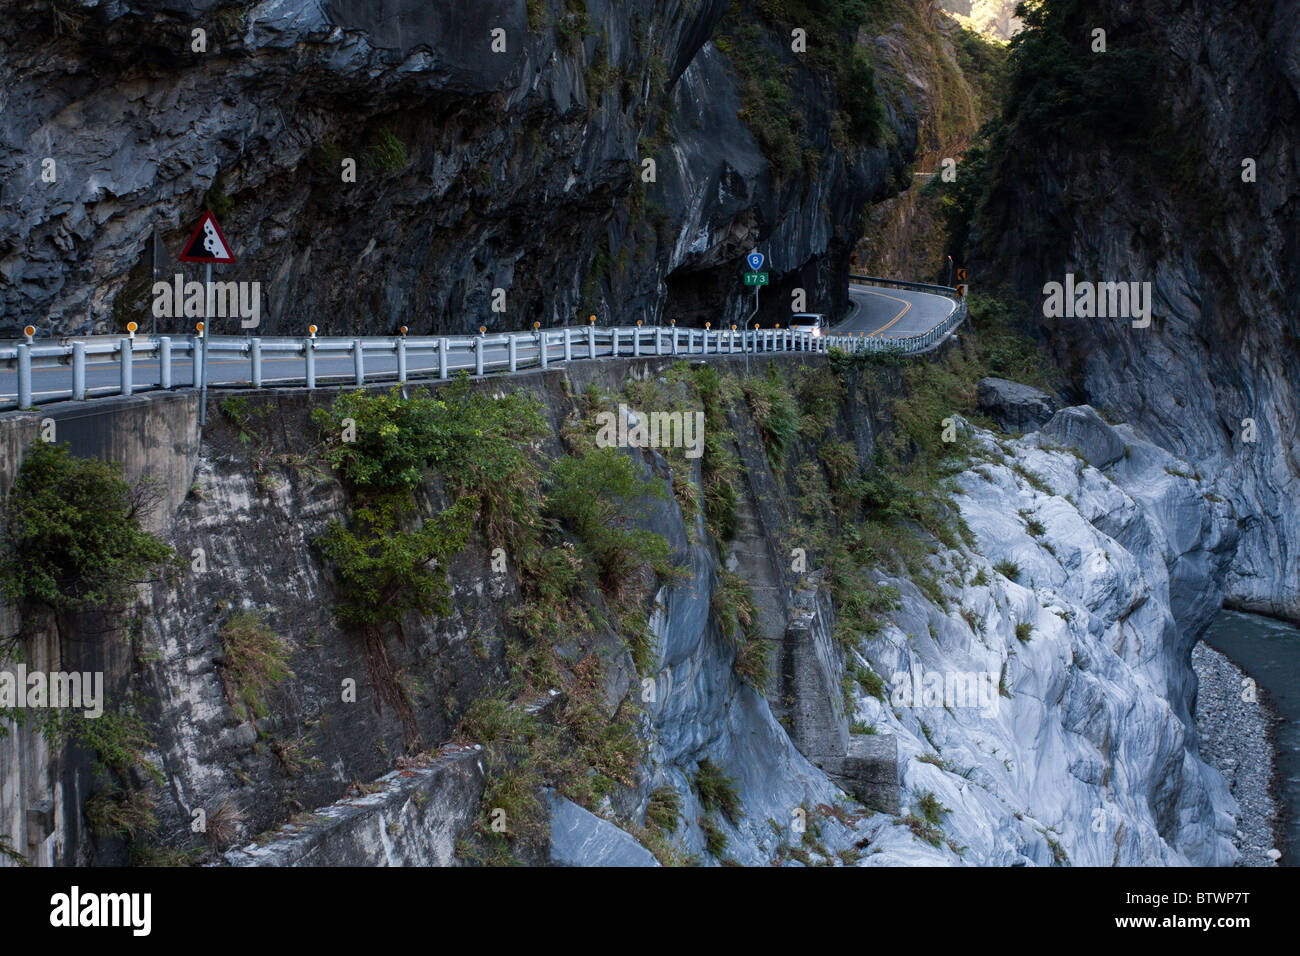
<point x="906" y="305"/>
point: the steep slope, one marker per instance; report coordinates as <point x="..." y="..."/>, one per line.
<point x="954" y="77"/>
<point x="1169" y="160"/>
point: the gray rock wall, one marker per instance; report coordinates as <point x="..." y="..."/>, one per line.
<point x="1224" y="343"/>
<point x="476" y="170"/>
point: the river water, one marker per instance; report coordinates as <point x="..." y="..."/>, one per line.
<point x="1269" y="651"/>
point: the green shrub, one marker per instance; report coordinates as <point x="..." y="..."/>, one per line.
<point x="820" y="392"/>
<point x="860" y="101"/>
<point x="255" y="660"/>
<point x="664" y="809"/>
<point x="385" y="572"/>
<point x="387" y="152"/>
<point x="774" y="411"/>
<point x="717" y="791"/>
<point x="1008" y="569"/>
<point x="1024" y="630"/>
<point x="715" y="840"/>
<point x="123" y="813"/>
<point x="718" y="466"/>
<point x="71" y="538"/>
<point x="594" y="495"/>
<point x="1060" y="89"/>
<point x="871" y="682"/>
<point x="733" y="609"/>
<point x="390" y="561"/>
<point x="396" y="438"/>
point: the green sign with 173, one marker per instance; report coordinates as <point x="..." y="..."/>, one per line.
<point x="755" y="278"/>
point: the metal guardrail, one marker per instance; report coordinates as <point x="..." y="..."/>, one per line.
<point x="944" y="290"/>
<point x="480" y="353"/>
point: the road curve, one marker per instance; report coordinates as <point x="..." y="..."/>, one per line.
<point x="889" y="313"/>
<point x="883" y="313"/>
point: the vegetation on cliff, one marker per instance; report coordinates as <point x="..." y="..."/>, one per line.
<point x="71" y="539"/>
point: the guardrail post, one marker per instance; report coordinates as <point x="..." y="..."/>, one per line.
<point x="544" y="359"/>
<point x="125" y="356"/>
<point x="478" y="354"/>
<point x="164" y="363"/>
<point x="591" y="341"/>
<point x="24" y="376"/>
<point x="659" y="341"/>
<point x="196" y="366"/>
<point x="358" y="361"/>
<point x="309" y="355"/>
<point x="401" y="360"/>
<point x="443" y="345"/>
<point x="512" y="348"/>
<point x="636" y="341"/>
<point x="674" y="340"/>
<point x="79" y="370"/>
<point x="568" y="344"/>
<point x="613" y="342"/>
<point x="255" y="362"/>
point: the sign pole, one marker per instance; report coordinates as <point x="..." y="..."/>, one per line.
<point x="207" y="330"/>
<point x="207" y="245"/>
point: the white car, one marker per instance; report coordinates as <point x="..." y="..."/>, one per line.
<point x="808" y="322"/>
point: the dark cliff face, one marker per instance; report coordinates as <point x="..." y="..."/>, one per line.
<point x="477" y="170"/>
<point x="1137" y="194"/>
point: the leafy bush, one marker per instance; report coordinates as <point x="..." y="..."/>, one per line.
<point x="820" y="392"/>
<point x="1061" y="89"/>
<point x="396" y="438"/>
<point x="390" y="561"/>
<point x="72" y="540"/>
<point x="385" y="572"/>
<point x="594" y="495"/>
<point x="860" y="100"/>
<point x="931" y="809"/>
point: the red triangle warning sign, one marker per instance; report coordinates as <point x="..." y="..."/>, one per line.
<point x="207" y="244"/>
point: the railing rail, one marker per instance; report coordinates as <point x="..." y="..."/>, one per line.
<point x="402" y="358"/>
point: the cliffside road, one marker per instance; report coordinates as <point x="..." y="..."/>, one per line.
<point x="52" y="381"/>
<point x="96" y="366"/>
<point x="894" y="313"/>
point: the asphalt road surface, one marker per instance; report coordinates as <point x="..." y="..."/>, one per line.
<point x="894" y="313"/>
<point x="884" y="313"/>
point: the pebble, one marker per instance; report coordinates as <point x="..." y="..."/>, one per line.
<point x="1236" y="738"/>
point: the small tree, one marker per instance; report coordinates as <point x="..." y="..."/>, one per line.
<point x="71" y="537"/>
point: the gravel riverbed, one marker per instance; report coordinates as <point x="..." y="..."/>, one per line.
<point x="1236" y="737"/>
